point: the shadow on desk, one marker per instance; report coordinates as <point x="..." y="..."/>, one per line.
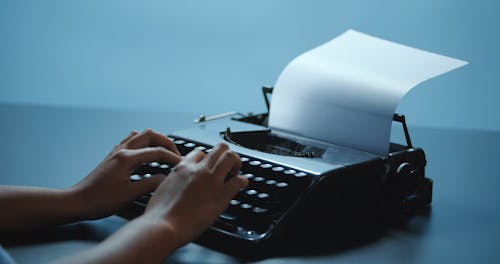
<point x="84" y="235"/>
<point x="341" y="239"/>
<point x="91" y="231"/>
<point x="45" y="245"/>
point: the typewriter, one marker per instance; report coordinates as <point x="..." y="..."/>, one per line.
<point x="299" y="189"/>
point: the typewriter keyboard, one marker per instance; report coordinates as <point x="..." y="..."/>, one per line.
<point x="271" y="191"/>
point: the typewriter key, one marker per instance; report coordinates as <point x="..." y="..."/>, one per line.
<point x="263" y="195"/>
<point x="271" y="182"/>
<point x="281" y="185"/>
<point x="189" y="145"/>
<point x="227" y="217"/>
<point x="255" y="163"/>
<point x="278" y="169"/>
<point x="244" y="159"/>
<point x="259" y="210"/>
<point x="248" y="175"/>
<point x="164" y="166"/>
<point x="290" y="172"/>
<point x="135" y="177"/>
<point x="246" y="206"/>
<point x="251" y="192"/>
<point x="266" y="166"/>
<point x="234" y="202"/>
<point x="258" y="179"/>
<point x="152" y="168"/>
<point x="300" y="174"/>
<point x="200" y="148"/>
<point x="179" y="141"/>
<point x="154" y="164"/>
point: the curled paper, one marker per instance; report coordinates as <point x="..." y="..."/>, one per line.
<point x="346" y="91"/>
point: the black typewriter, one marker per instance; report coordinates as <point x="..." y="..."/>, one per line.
<point x="299" y="189"/>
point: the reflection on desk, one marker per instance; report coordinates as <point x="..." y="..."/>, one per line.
<point x="463" y="227"/>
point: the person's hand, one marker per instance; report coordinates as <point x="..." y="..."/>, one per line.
<point x="108" y="187"/>
<point x="184" y="205"/>
<point x="196" y="192"/>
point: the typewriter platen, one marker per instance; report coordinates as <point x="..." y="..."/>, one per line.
<point x="299" y="188"/>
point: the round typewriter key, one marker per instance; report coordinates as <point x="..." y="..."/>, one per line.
<point x="154" y="164"/>
<point x="281" y="184"/>
<point x="179" y="141"/>
<point x="278" y="169"/>
<point x="135" y="177"/>
<point x="251" y="192"/>
<point x="300" y="174"/>
<point x="266" y="166"/>
<point x="147" y="175"/>
<point x="234" y="202"/>
<point x="255" y="163"/>
<point x="263" y="195"/>
<point x="271" y="182"/>
<point x="189" y="145"/>
<point x="200" y="148"/>
<point x="227" y="217"/>
<point x="246" y="206"/>
<point x="208" y="150"/>
<point x="244" y="159"/>
<point x="258" y="179"/>
<point x="164" y="166"/>
<point x="248" y="175"/>
<point x="259" y="210"/>
<point x="289" y="172"/>
<point x="171" y="138"/>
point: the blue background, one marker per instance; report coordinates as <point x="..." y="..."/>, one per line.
<point x="213" y="56"/>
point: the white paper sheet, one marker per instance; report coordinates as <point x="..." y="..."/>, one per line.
<point x="345" y="91"/>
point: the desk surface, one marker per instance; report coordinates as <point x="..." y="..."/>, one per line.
<point x="57" y="146"/>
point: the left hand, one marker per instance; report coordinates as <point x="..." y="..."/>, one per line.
<point x="108" y="187"/>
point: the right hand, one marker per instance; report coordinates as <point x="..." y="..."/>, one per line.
<point x="195" y="193"/>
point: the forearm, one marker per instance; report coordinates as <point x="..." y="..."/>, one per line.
<point x="142" y="240"/>
<point x="24" y="208"/>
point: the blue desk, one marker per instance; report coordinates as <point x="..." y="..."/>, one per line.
<point x="57" y="146"/>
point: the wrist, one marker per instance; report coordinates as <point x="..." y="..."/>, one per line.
<point x="142" y="240"/>
<point x="74" y="205"/>
<point x="159" y="225"/>
<point x="161" y="232"/>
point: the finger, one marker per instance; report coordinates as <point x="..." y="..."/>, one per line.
<point x="147" y="185"/>
<point x="229" y="162"/>
<point x="136" y="157"/>
<point x="214" y="155"/>
<point x="120" y="145"/>
<point x="234" y="185"/>
<point x="150" y="138"/>
<point x="130" y="135"/>
<point x="195" y="156"/>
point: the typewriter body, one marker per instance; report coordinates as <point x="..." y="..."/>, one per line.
<point x="299" y="189"/>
